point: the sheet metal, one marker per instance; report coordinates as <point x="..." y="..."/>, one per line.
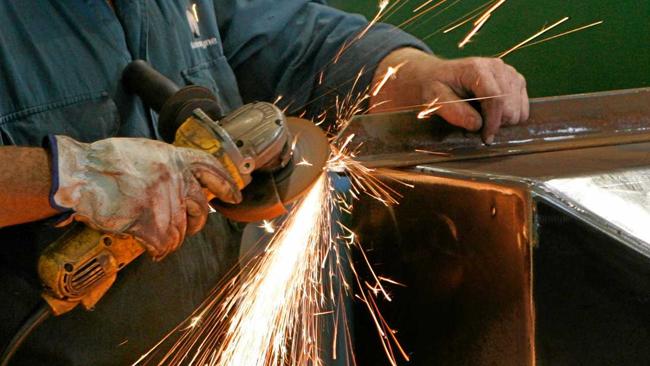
<point x="586" y="157"/>
<point x="569" y="143"/>
<point x="462" y="249"/>
<point x="556" y="123"/>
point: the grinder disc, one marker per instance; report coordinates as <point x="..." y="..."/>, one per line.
<point x="269" y="194"/>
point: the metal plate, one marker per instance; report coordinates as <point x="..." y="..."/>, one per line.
<point x="269" y="195"/>
<point x="555" y="124"/>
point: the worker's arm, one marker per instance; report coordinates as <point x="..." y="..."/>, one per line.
<point x="311" y="54"/>
<point x="423" y="78"/>
<point x="302" y="50"/>
<point x="145" y="188"/>
<point x="25" y="181"/>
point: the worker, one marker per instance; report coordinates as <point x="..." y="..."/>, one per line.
<point x="62" y="107"/>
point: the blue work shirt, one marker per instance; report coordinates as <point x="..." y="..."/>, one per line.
<point x="60" y="67"/>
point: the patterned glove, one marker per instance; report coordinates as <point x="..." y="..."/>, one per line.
<point x="145" y="188"/>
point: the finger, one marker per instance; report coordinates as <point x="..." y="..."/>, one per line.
<point x="170" y="220"/>
<point x="178" y="227"/>
<point x="509" y="83"/>
<point x="221" y="187"/>
<point x="174" y="236"/>
<point x="479" y="80"/>
<point x="492" y="109"/>
<point x="454" y="110"/>
<point x="211" y="175"/>
<point x="525" y="103"/>
<point x="197" y="208"/>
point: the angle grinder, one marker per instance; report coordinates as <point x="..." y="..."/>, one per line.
<point x="256" y="144"/>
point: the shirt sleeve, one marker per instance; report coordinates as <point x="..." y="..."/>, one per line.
<point x="292" y="48"/>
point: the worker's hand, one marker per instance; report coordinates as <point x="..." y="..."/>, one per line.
<point x="422" y="78"/>
<point x="145" y="188"/>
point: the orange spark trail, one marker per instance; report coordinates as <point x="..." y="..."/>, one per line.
<point x="463" y="20"/>
<point x="422" y="6"/>
<point x="390" y="73"/>
<point x="468" y="16"/>
<point x="478" y="24"/>
<point x="474" y="30"/>
<point x="429" y="110"/>
<point x="420" y="14"/>
<point x="382" y="6"/>
<point x="489" y="11"/>
<point x="564" y="34"/>
<point x="522" y="43"/>
<point x="263" y="322"/>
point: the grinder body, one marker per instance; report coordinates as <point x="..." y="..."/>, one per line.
<point x="81" y="266"/>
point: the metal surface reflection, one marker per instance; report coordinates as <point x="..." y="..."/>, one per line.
<point x="620" y="199"/>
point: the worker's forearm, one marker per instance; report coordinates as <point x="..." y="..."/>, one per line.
<point x="25" y="181"/>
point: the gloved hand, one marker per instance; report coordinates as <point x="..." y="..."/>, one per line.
<point x="145" y="188"/>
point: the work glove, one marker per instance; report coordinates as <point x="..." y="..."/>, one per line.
<point x="145" y="188"/>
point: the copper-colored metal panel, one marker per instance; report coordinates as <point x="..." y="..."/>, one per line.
<point x="570" y="185"/>
<point x="556" y="123"/>
<point x="463" y="248"/>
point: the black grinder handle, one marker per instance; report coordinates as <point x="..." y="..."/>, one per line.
<point x="153" y="87"/>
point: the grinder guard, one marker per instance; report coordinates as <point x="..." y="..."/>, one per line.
<point x="269" y="194"/>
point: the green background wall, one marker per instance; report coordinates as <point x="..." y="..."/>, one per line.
<point x="613" y="55"/>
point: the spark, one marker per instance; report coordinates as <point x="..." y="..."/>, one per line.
<point x="564" y="33"/>
<point x="429" y="110"/>
<point x="391" y="281"/>
<point x="420" y="14"/>
<point x="462" y="19"/>
<point x="473" y="32"/>
<point x="489" y="12"/>
<point x="542" y="31"/>
<point x="423" y="5"/>
<point x="478" y="24"/>
<point x="438" y="153"/>
<point x="440" y="103"/>
<point x="304" y="162"/>
<point x="195" y="12"/>
<point x="390" y="73"/>
<point x="268" y="226"/>
<point x="383" y="4"/>
<point x="459" y="24"/>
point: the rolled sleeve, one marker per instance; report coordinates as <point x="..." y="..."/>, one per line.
<point x="282" y="48"/>
<point x="356" y="67"/>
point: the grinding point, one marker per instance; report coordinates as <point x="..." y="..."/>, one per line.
<point x="270" y="194"/>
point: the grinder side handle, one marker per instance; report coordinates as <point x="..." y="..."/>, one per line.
<point x="153" y="87"/>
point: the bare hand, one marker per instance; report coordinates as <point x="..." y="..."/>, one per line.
<point x="424" y="78"/>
